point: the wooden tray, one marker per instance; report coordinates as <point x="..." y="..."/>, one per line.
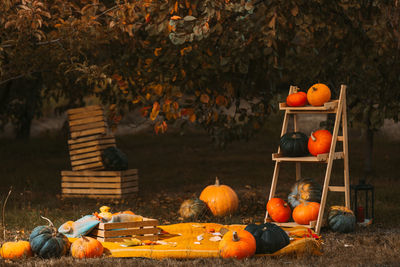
<point x="87" y="121"/>
<point x="85" y="152"/>
<point x="117" y="232"/>
<point x="99" y="184"/>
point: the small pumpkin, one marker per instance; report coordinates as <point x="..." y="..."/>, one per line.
<point x="294" y="144"/>
<point x="47" y="242"/>
<point x="306" y="212"/>
<point x="305" y="189"/>
<point x="269" y="237"/>
<point x="86" y="247"/>
<point x="319" y="142"/>
<point x="296" y="99"/>
<point x="318" y="94"/>
<point x="16" y="250"/>
<point x="237" y="244"/>
<point x="193" y="208"/>
<point x="341" y="219"/>
<point x="114" y="159"/>
<point x="278" y="210"/>
<point x="221" y="199"/>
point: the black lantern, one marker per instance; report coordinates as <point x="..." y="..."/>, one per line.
<point x="363" y="202"/>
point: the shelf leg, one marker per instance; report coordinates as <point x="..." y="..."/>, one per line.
<point x="273" y="185"/>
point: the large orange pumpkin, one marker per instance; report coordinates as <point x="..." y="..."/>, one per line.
<point x="297" y="99"/>
<point x="278" y="210"/>
<point x="319" y="142"/>
<point x="237" y="244"/>
<point x="220" y="199"/>
<point x="16" y="250"/>
<point x="318" y="94"/>
<point x="86" y="247"/>
<point x="306" y="212"/>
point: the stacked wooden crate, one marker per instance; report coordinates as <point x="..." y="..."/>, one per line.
<point x="89" y="137"/>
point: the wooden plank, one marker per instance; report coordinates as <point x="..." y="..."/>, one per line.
<point x="86" y="121"/>
<point x="318" y="158"/>
<point x="102" y="130"/>
<point x="124" y="232"/>
<point x="345" y="150"/>
<point x="91" y="179"/>
<point x="121" y="239"/>
<point x="145" y="222"/>
<point x="90" y="149"/>
<point x="88" y="166"/>
<point x="340" y="138"/>
<point x="110" y="140"/>
<point x="88" y="126"/>
<point x="332" y="111"/>
<point x="94" y="196"/>
<point x="97" y="191"/>
<point x="85" y="155"/>
<point x="90" y="138"/>
<point x="85" y="161"/>
<point x="294" y="224"/>
<point x="327" y="106"/>
<point x="337" y="188"/>
<point x="84" y="109"/>
<point x="100" y="173"/>
<point x="97" y="185"/>
<point x="85" y="114"/>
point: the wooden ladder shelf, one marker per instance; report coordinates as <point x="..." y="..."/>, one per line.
<point x="337" y="107"/>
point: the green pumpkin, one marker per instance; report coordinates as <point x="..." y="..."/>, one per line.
<point x="193" y="209"/>
<point x="294" y="144"/>
<point x="114" y="159"/>
<point x="305" y="190"/>
<point x="47" y="242"/>
<point x="341" y="219"/>
<point x="269" y="237"/>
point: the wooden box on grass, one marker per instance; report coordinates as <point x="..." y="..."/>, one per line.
<point x="86" y="121"/>
<point x="99" y="184"/>
<point x="85" y="152"/>
<point x="117" y="232"/>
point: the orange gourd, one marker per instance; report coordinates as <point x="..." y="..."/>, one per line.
<point x="278" y="210"/>
<point x="319" y="142"/>
<point x="297" y="99"/>
<point x="16" y="250"/>
<point x="220" y="199"/>
<point x="306" y="212"/>
<point x="237" y="244"/>
<point x="318" y="94"/>
<point x="86" y="247"/>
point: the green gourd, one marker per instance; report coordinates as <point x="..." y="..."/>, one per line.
<point x="304" y="190"/>
<point x="269" y="237"/>
<point x="341" y="219"/>
<point x="294" y="144"/>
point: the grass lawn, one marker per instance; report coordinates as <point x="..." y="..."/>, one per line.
<point x="175" y="167"/>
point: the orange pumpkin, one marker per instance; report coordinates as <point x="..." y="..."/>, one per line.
<point x="306" y="212"/>
<point x="297" y="99"/>
<point x="16" y="250"/>
<point x="318" y="94"/>
<point x="279" y="210"/>
<point x="237" y="244"/>
<point x="319" y="142"/>
<point x="86" y="247"/>
<point x="220" y="199"/>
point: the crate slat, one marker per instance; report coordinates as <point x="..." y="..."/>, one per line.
<point x="101" y="179"/>
<point x="90" y="149"/>
<point x="121" y="239"/>
<point x="84" y="121"/>
<point x="99" y="191"/>
<point x="88" y="126"/>
<point x="99" y="173"/>
<point x="108" y="140"/>
<point x="124" y="232"/>
<point x="84" y="109"/>
<point x="98" y="185"/>
<point x="85" y="161"/>
<point x="145" y="222"/>
<point x="85" y="155"/>
<point x="85" y="114"/>
<point x="102" y="130"/>
<point x="89" y="138"/>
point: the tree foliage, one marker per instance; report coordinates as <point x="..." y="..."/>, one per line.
<point x="216" y="63"/>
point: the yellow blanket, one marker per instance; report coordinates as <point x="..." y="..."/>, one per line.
<point x="194" y="240"/>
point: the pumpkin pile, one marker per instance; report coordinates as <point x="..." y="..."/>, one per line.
<point x="221" y="200"/>
<point x="317" y="95"/>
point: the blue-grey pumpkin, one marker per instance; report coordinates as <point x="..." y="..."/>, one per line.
<point x="305" y="190"/>
<point x="47" y="242"/>
<point x="294" y="144"/>
<point x="341" y="219"/>
<point x="269" y="237"/>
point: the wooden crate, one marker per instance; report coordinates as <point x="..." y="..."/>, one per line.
<point x="117" y="232"/>
<point x="85" y="152"/>
<point x="99" y="184"/>
<point x="87" y="121"/>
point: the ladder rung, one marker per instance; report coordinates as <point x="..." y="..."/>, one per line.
<point x="340" y="138"/>
<point x="337" y="188"/>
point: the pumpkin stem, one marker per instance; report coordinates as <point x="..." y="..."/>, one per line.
<point x="313" y="137"/>
<point x="216" y="181"/>
<point x="235" y="236"/>
<point x="3" y="223"/>
<point x="50" y="223"/>
<point x="315" y="88"/>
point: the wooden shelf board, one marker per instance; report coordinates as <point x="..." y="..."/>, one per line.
<point x="319" y="158"/>
<point x="327" y="107"/>
<point x="294" y="224"/>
